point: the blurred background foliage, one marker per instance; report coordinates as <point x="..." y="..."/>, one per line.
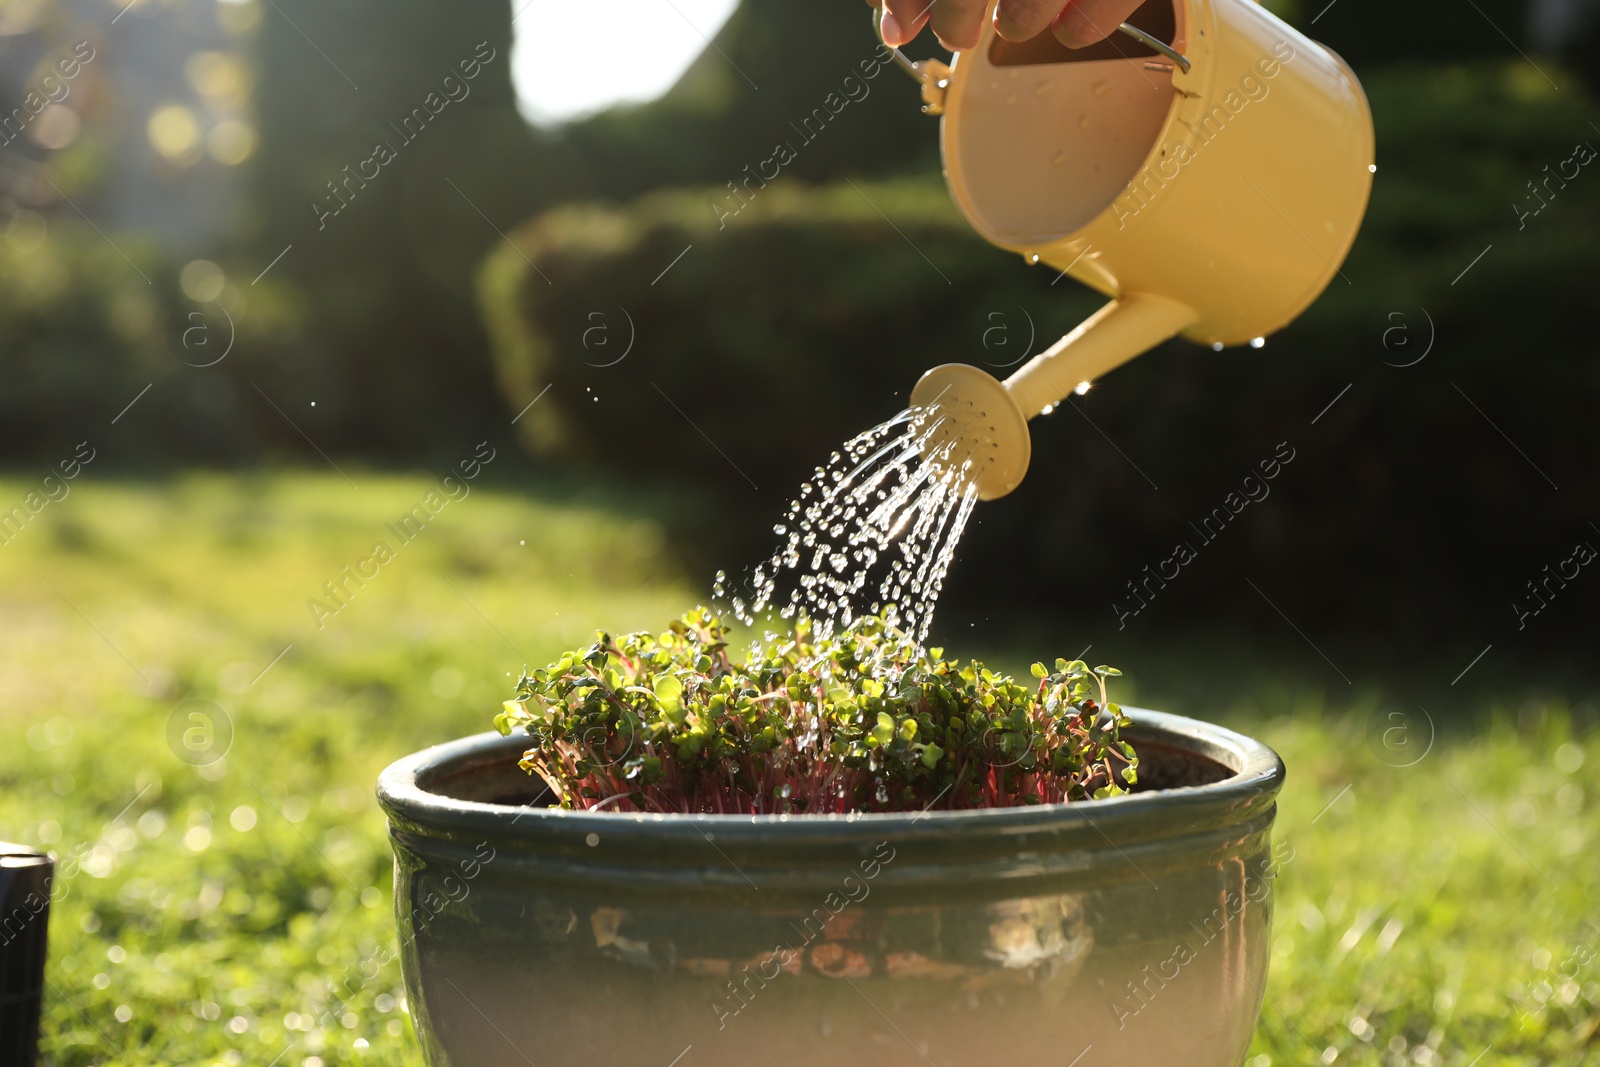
<point x="491" y="259"/>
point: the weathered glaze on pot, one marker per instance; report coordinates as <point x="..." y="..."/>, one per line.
<point x="1137" y="927"/>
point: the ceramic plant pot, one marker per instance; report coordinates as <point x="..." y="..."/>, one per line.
<point x="1136" y="926"/>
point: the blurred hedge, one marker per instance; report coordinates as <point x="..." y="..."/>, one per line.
<point x="796" y="312"/>
<point x="809" y="316"/>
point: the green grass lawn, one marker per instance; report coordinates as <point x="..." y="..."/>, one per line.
<point x="1432" y="914"/>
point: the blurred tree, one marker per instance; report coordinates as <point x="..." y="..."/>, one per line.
<point x="1418" y="31"/>
<point x="1570" y="29"/>
<point x="774" y="63"/>
<point x="380" y="160"/>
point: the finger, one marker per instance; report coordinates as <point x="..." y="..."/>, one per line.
<point x="958" y="23"/>
<point x="1083" y="22"/>
<point x="903" y="20"/>
<point x="1018" y="20"/>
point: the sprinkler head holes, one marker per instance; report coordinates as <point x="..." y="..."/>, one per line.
<point x="971" y="420"/>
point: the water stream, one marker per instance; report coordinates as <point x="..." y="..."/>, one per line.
<point x="872" y="532"/>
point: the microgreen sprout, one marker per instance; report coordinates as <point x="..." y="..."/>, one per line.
<point x="670" y="723"/>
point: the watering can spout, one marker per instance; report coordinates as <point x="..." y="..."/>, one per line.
<point x="973" y="418"/>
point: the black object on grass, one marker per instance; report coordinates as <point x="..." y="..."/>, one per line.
<point x="25" y="876"/>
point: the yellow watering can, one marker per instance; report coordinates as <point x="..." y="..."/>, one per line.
<point x="1210" y="186"/>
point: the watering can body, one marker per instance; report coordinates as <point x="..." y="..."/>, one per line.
<point x="1212" y="197"/>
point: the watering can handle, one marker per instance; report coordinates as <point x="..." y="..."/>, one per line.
<point x="1152" y="41"/>
<point x="924" y="71"/>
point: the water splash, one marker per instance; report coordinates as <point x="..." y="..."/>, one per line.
<point x="873" y="532"/>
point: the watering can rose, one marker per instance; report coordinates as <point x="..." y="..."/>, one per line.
<point x="669" y="723"/>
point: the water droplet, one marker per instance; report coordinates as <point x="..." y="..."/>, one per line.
<point x="1100" y="87"/>
<point x="879" y="524"/>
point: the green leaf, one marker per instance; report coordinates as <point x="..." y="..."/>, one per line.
<point x="883" y="732"/>
<point x="668" y="690"/>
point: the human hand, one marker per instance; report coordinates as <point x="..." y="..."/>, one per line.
<point x="957" y="23"/>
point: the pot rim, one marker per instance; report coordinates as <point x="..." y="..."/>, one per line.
<point x="1247" y="793"/>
